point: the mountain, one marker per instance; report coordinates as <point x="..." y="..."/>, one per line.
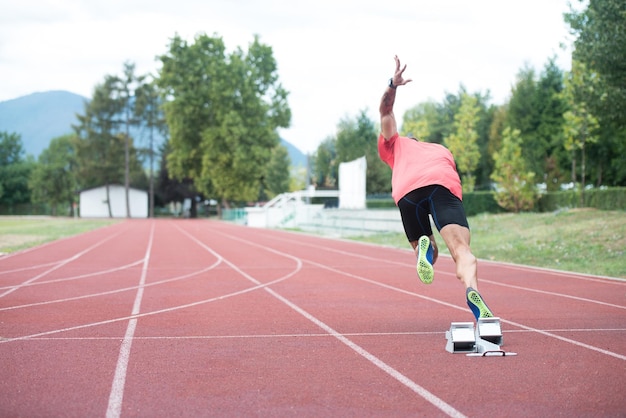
<point x="41" y="117"/>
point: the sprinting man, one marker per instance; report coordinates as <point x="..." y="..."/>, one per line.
<point x="425" y="182"/>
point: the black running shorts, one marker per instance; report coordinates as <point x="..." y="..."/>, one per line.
<point x="437" y="201"/>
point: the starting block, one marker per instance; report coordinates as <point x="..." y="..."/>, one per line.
<point x="483" y="340"/>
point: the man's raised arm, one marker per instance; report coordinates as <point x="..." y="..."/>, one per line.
<point x="388" y="124"/>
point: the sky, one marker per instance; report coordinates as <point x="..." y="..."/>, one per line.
<point x="334" y="57"/>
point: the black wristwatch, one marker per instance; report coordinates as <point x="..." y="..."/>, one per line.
<point x="391" y="84"/>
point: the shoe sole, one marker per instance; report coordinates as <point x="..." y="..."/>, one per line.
<point x="478" y="302"/>
<point x="425" y="270"/>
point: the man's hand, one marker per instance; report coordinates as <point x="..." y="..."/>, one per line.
<point x="397" y="78"/>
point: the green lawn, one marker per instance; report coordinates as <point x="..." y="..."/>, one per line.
<point x="579" y="240"/>
<point x="17" y="233"/>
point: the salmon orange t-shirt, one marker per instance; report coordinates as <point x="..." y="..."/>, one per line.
<point x="416" y="164"/>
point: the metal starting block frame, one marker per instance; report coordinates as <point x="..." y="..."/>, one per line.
<point x="481" y="341"/>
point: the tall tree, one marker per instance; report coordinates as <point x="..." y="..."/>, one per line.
<point x="601" y="46"/>
<point x="463" y="142"/>
<point x="223" y="112"/>
<point x="581" y="127"/>
<point x="100" y="146"/>
<point x="15" y="169"/>
<point x="148" y="111"/>
<point x="53" y="180"/>
<point x="524" y="115"/>
<point x="325" y="166"/>
<point x="549" y="138"/>
<point x="515" y="184"/>
<point x="276" y="178"/>
<point x="126" y="87"/>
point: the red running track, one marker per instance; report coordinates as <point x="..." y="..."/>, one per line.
<point x="150" y="318"/>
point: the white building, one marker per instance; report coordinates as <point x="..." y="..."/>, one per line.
<point x="93" y="202"/>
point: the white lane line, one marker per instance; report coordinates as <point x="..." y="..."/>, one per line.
<point x="319" y="335"/>
<point x="81" y="276"/>
<point x="561" y="295"/>
<point x="114" y="408"/>
<point x="109" y="292"/>
<point x="34" y="267"/>
<point x="57" y="266"/>
<point x="297" y="268"/>
<point x="567" y="340"/>
<point x="152" y="313"/>
<point x="419" y="390"/>
<point x="545" y="333"/>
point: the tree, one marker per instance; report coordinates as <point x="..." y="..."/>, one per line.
<point x="601" y="47"/>
<point x="580" y="126"/>
<point x="148" y="111"/>
<point x="223" y="112"/>
<point x="524" y="115"/>
<point x="515" y="185"/>
<point x="169" y="189"/>
<point x="357" y="137"/>
<point x="600" y="31"/>
<point x="462" y="143"/>
<point x="276" y="178"/>
<point x="548" y="136"/>
<point x="100" y="146"/>
<point x="15" y="170"/>
<point x="325" y="166"/>
<point x="126" y="87"/>
<point x="53" y="180"/>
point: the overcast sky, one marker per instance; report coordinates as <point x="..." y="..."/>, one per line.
<point x="334" y="56"/>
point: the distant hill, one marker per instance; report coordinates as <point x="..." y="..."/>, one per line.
<point x="41" y="117"/>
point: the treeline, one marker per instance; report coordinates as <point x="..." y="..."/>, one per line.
<point x="558" y="130"/>
<point x="220" y="112"/>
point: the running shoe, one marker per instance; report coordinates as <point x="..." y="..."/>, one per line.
<point x="425" y="270"/>
<point x="477" y="305"/>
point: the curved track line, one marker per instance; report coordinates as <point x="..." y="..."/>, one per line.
<point x="59" y="265"/>
<point x="33" y="267"/>
<point x="172" y="308"/>
<point x="81" y="276"/>
<point x="125" y="289"/>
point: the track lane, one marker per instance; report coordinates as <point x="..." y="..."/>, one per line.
<point x="208" y="352"/>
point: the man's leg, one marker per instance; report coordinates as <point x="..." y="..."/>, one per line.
<point x="457" y="239"/>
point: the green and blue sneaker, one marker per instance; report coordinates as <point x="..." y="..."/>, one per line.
<point x="425" y="251"/>
<point x="477" y="304"/>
